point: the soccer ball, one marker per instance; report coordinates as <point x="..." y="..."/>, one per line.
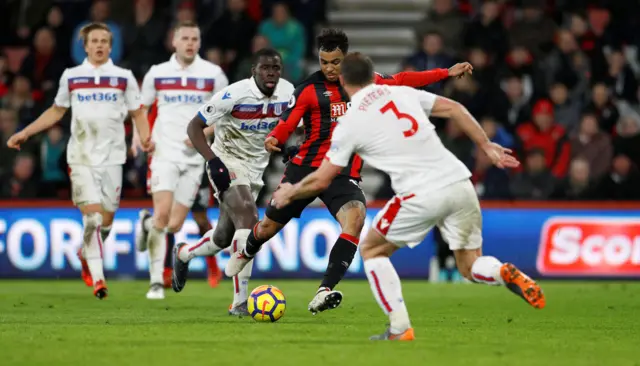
<point x="266" y="304"/>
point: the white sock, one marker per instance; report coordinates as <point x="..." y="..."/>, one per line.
<point x="486" y="269"/>
<point x="157" y="244"/>
<point x="92" y="246"/>
<point x="202" y="248"/>
<point x="241" y="281"/>
<point x="147" y="224"/>
<point x="104" y="232"/>
<point x="387" y="290"/>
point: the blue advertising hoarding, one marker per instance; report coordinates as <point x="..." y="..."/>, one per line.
<point x="42" y="243"/>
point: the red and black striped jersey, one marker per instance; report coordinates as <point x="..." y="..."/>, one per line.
<point x="319" y="102"/>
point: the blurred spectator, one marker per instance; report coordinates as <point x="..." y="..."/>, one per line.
<point x="593" y="145"/>
<point x="43" y="66"/>
<point x="431" y="56"/>
<point x="487" y="31"/>
<point x="603" y="107"/>
<point x="627" y="141"/>
<point x="8" y="126"/>
<point x="545" y="134"/>
<point x="578" y="184"/>
<point x="287" y="36"/>
<point x="456" y="141"/>
<point x="19" y="99"/>
<point x="622" y="182"/>
<point x="520" y="62"/>
<point x="52" y="151"/>
<point x="489" y="181"/>
<point x="534" y="31"/>
<point x="144" y="38"/>
<point x="214" y="55"/>
<point x="484" y="70"/>
<point x="497" y="133"/>
<point x="19" y="184"/>
<point x="23" y="17"/>
<point x="512" y="108"/>
<point x="57" y="23"/>
<point x="4" y="75"/>
<point x="443" y="18"/>
<point x="568" y="65"/>
<point x="232" y="33"/>
<point x="621" y="78"/>
<point x="244" y="67"/>
<point x="186" y="12"/>
<point x="99" y="13"/>
<point x="467" y="92"/>
<point x="565" y="108"/>
<point x="536" y="181"/>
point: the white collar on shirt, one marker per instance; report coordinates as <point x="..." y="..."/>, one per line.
<point x="176" y="65"/>
<point x="361" y="94"/>
<point x="258" y="93"/>
<point x="86" y="62"/>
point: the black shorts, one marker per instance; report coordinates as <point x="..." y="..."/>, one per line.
<point x="203" y="197"/>
<point x="342" y="190"/>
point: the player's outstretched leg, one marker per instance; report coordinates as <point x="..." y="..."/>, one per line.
<point x="386" y="287"/>
<point x="142" y="233"/>
<point x="214" y="274"/>
<point x="489" y="270"/>
<point x="351" y="216"/>
<point x="91" y="252"/>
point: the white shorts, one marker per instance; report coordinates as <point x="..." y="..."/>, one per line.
<point x="96" y="185"/>
<point x="181" y="179"/>
<point x="242" y="175"/>
<point x="405" y="221"/>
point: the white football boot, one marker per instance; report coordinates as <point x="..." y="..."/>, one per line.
<point x="142" y="233"/>
<point x="156" y="292"/>
<point x="236" y="263"/>
<point x="325" y="299"/>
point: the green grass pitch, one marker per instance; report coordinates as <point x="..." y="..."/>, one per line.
<point x="60" y="323"/>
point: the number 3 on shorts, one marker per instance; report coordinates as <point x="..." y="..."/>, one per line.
<point x="414" y="124"/>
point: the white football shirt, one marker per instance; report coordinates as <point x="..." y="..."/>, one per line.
<point x="243" y="117"/>
<point x="179" y="92"/>
<point x="100" y="99"/>
<point x="389" y="128"/>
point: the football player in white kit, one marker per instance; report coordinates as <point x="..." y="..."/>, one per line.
<point x="389" y="128"/>
<point x="243" y="114"/>
<point x="180" y="86"/>
<point x="101" y="95"/>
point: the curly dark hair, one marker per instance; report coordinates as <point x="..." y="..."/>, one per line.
<point x="331" y="39"/>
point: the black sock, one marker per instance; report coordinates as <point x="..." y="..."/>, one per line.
<point x="171" y="241"/>
<point x="340" y="259"/>
<point x="253" y="244"/>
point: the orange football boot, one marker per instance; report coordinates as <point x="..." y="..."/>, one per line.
<point x="86" y="274"/>
<point x="214" y="274"/>
<point x="522" y="285"/>
<point x="407" y="335"/>
<point x="100" y="290"/>
<point x="166" y="276"/>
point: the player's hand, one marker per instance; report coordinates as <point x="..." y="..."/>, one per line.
<point x="17" y="139"/>
<point x="500" y="156"/>
<point x="282" y="195"/>
<point x="218" y="176"/>
<point x="271" y="144"/>
<point x="460" y="70"/>
<point x="136" y="145"/>
<point x="148" y="146"/>
<point x="289" y="153"/>
<point x="188" y="143"/>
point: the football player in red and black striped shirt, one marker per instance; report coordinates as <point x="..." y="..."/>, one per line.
<point x="319" y="101"/>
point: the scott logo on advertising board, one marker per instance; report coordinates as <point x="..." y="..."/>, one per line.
<point x="590" y="246"/>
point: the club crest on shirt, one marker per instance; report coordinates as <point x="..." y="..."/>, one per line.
<point x="113" y="82"/>
<point x="338" y="109"/>
<point x="200" y="84"/>
<point x="277" y="109"/>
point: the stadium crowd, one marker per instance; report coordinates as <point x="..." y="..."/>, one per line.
<point x="555" y="80"/>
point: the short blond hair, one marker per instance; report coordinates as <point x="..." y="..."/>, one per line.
<point x="185" y="24"/>
<point x="87" y="29"/>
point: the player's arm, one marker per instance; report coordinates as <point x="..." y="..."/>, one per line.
<point x="442" y="107"/>
<point x="299" y="103"/>
<point x="148" y="96"/>
<point x="48" y="118"/>
<point x="343" y="146"/>
<point x="417" y="79"/>
<point x="137" y="112"/>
